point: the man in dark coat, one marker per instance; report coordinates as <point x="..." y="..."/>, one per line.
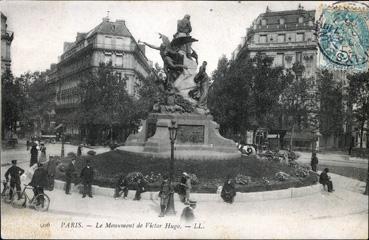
<point x="39" y="181"/>
<point x="228" y="191"/>
<point x="34" y="155"/>
<point x="121" y="186"/>
<point x="87" y="176"/>
<point x="164" y="194"/>
<point x="69" y="173"/>
<point x="326" y="180"/>
<point x="15" y="172"/>
<point x="314" y="162"/>
<point x="79" y="150"/>
<point x="51" y="170"/>
<point x="140" y="188"/>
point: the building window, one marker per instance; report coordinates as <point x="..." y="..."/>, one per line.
<point x="107" y="59"/>
<point x="301" y="19"/>
<point x="108" y="40"/>
<point x="119" y="60"/>
<point x="281" y="21"/>
<point x="119" y="76"/>
<point x="263" y="22"/>
<point x="281" y="38"/>
<point x="279" y="60"/>
<point x="298" y="56"/>
<point x="119" y="42"/>
<point x="299" y="37"/>
<point x="263" y="39"/>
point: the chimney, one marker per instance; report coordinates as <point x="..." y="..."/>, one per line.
<point x="67" y="46"/>
<point x="142" y="47"/>
<point x="121" y="21"/>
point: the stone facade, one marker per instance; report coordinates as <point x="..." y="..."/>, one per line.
<point x="109" y="41"/>
<point x="288" y="37"/>
<point x="6" y="41"/>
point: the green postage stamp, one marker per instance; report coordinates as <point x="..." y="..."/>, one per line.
<point x="342" y="32"/>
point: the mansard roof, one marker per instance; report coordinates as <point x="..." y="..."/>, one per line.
<point x="290" y="16"/>
<point x="117" y="28"/>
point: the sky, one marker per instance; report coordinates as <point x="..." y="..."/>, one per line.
<point x="41" y="28"/>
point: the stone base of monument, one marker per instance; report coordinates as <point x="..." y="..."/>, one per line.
<point x="197" y="138"/>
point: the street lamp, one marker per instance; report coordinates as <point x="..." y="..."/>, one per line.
<point x="62" y="142"/>
<point x="172" y="136"/>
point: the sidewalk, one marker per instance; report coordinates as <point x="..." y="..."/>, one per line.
<point x="342" y="214"/>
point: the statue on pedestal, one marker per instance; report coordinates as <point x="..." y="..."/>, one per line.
<point x="186" y="90"/>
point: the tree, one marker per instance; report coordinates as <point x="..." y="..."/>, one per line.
<point x="105" y="104"/>
<point x="294" y="99"/>
<point x="359" y="98"/>
<point x="245" y="93"/>
<point x="330" y="113"/>
<point x="40" y="100"/>
<point x="12" y="102"/>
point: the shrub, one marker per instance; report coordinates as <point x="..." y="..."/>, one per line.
<point x="91" y="153"/>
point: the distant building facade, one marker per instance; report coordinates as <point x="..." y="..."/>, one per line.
<point x="6" y="41"/>
<point x="288" y="37"/>
<point x="107" y="42"/>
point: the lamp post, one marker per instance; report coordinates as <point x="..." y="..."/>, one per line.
<point x="62" y="142"/>
<point x="172" y="136"/>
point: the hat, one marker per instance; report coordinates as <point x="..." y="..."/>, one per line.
<point x="14" y="161"/>
<point x="185" y="174"/>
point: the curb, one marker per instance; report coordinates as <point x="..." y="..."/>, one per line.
<point x="209" y="197"/>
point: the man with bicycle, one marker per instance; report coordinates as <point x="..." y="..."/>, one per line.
<point x="39" y="181"/>
<point x="15" y="172"/>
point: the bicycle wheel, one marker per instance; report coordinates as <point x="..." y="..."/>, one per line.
<point x="5" y="195"/>
<point x="42" y="202"/>
<point x="19" y="203"/>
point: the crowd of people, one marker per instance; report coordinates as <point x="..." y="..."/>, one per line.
<point x="43" y="178"/>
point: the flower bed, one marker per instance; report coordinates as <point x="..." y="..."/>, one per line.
<point x="261" y="174"/>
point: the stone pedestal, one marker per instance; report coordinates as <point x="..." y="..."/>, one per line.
<point x="196" y="133"/>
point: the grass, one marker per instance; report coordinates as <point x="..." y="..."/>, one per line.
<point x="211" y="173"/>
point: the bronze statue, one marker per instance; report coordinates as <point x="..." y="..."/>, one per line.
<point x="203" y="82"/>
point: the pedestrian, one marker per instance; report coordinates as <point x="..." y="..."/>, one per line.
<point x="79" y="150"/>
<point x="367" y="184"/>
<point x="42" y="153"/>
<point x="140" y="188"/>
<point x="228" y="190"/>
<point x="15" y="172"/>
<point x="34" y="155"/>
<point x="28" y="143"/>
<point x="324" y="179"/>
<point x="39" y="182"/>
<point x="181" y="188"/>
<point x="121" y="187"/>
<point x="188" y="187"/>
<point x="188" y="213"/>
<point x="314" y="162"/>
<point x="69" y="174"/>
<point x="87" y="176"/>
<point x="164" y="194"/>
<point x="51" y="170"/>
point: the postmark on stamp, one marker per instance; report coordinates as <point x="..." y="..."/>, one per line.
<point x="343" y="36"/>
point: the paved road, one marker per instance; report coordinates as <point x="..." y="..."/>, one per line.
<point x="342" y="214"/>
<point x="333" y="159"/>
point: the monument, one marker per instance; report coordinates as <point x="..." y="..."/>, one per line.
<point x="185" y="102"/>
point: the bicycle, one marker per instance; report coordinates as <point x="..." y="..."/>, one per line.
<point x="41" y="202"/>
<point x="5" y="194"/>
